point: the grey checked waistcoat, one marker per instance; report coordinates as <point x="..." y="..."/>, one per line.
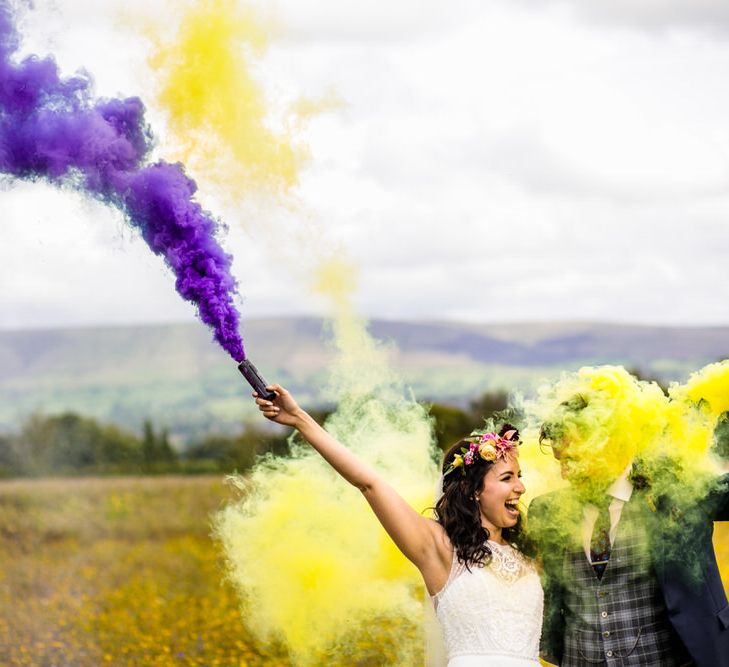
<point x="620" y="619"/>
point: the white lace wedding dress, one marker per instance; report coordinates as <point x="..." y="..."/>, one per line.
<point x="492" y="616"/>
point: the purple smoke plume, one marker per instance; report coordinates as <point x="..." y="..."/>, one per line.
<point x="56" y="129"/>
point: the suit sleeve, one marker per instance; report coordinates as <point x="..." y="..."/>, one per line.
<point x="552" y="640"/>
<point x="719" y="499"/>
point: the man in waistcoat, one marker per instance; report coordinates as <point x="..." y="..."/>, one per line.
<point x="630" y="576"/>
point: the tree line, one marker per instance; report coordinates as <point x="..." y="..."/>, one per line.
<point x="71" y="444"/>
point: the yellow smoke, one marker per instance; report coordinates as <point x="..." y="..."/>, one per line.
<point x="540" y="472"/>
<point x="224" y="126"/>
<point x="610" y="418"/>
<point x="314" y="568"/>
<point x="602" y="419"/>
<point x="696" y="408"/>
<point x="362" y="362"/>
<point x="709" y="386"/>
<point x="305" y="108"/>
<point x="606" y="417"/>
<point x="306" y="552"/>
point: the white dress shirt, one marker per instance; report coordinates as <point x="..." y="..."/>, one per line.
<point x="621" y="490"/>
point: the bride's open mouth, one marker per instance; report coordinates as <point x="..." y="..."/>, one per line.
<point x="512" y="508"/>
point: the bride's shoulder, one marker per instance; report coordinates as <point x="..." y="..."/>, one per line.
<point x="437" y="567"/>
<point x="439" y="533"/>
<point x="441" y="541"/>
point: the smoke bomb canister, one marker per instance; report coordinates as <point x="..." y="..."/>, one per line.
<point x="255" y="379"/>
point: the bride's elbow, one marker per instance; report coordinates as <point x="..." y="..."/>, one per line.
<point x="371" y="484"/>
<point x="365" y="487"/>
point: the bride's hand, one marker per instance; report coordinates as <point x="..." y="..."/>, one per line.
<point x="283" y="409"/>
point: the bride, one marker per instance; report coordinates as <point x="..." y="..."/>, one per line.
<point x="485" y="591"/>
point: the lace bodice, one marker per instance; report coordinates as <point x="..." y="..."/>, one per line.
<point x="492" y="610"/>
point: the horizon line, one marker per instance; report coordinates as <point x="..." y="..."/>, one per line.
<point x="412" y="321"/>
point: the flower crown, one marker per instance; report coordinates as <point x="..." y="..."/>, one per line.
<point x="488" y="446"/>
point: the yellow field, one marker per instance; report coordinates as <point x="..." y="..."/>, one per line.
<point x="123" y="572"/>
<point x="119" y="572"/>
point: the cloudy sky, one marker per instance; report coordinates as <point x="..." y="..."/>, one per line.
<point x="493" y="160"/>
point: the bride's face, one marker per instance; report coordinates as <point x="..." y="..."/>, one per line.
<point x="500" y="495"/>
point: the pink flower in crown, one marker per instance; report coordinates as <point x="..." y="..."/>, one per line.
<point x="489" y="437"/>
<point x="468" y="457"/>
<point x="501" y="448"/>
<point x="505" y="444"/>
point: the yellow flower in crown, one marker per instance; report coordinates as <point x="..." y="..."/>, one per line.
<point x="487" y="451"/>
<point x="457" y="461"/>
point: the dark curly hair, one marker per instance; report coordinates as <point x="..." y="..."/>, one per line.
<point x="459" y="514"/>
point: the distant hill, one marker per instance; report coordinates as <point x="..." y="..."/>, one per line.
<point x="178" y="377"/>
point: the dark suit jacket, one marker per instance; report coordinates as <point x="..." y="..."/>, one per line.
<point x="683" y="559"/>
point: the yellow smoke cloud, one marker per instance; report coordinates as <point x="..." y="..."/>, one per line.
<point x="606" y="418"/>
<point x="696" y="408"/>
<point x="218" y="112"/>
<point x="601" y="419"/>
<point x="305" y="109"/>
<point x="540" y="472"/>
<point x="306" y="552"/>
<point x="362" y="362"/>
<point x="336" y="279"/>
<point x="314" y="569"/>
<point x="709" y="385"/>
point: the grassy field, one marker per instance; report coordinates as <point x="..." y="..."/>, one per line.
<point x="119" y="572"/>
<point x="123" y="572"/>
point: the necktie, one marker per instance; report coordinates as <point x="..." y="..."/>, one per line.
<point x="600" y="542"/>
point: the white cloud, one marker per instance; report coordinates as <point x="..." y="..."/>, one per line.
<point x="499" y="161"/>
<point x="709" y="15"/>
<point x="352" y="21"/>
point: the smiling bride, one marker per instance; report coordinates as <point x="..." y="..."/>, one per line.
<point x="486" y="592"/>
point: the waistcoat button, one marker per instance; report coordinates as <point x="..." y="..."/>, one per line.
<point x="604" y="614"/>
<point x="609" y="654"/>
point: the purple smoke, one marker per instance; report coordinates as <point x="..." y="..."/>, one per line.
<point x="55" y="129"/>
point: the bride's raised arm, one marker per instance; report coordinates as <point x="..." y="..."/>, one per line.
<point x="421" y="540"/>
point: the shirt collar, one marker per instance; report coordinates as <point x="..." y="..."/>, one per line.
<point x="622" y="487"/>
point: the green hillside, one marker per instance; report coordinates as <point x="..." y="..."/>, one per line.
<point x="178" y="377"/>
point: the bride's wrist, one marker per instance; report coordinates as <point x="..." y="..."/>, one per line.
<point x="301" y="419"/>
